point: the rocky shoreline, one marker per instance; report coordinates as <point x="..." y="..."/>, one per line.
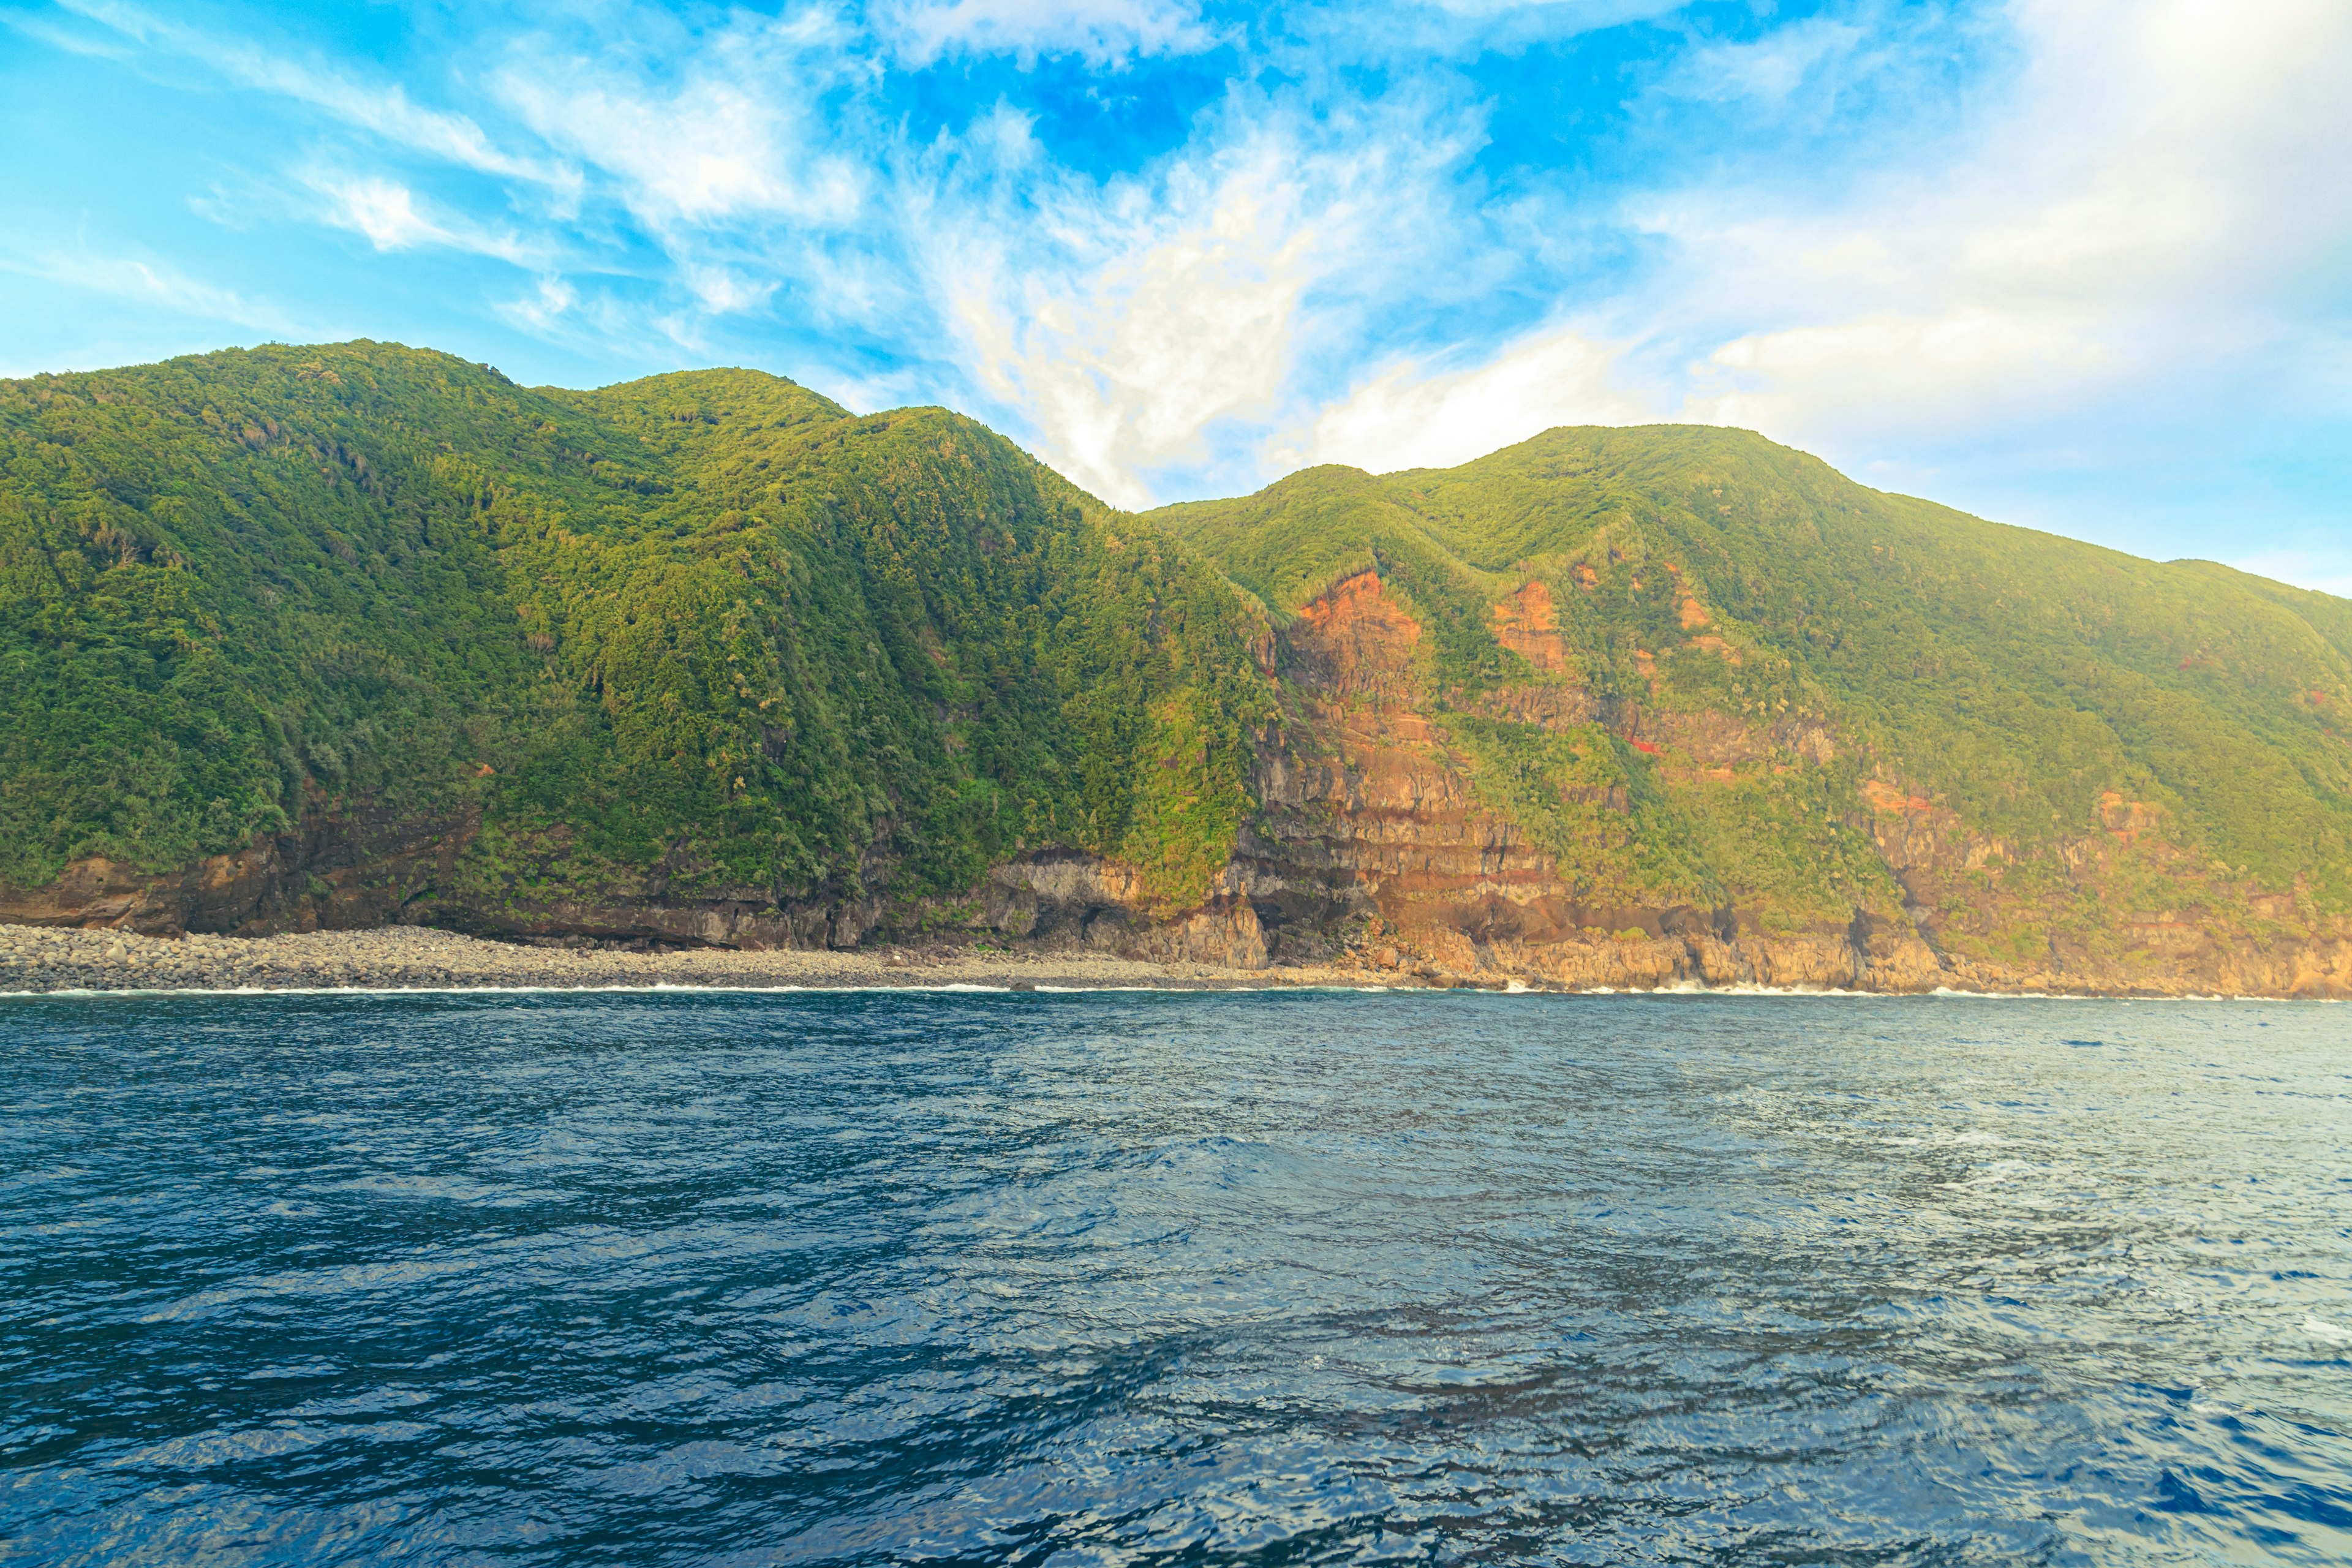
<point x="47" y="959"/>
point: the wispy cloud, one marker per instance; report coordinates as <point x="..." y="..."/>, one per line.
<point x="549" y="299"/>
<point x="740" y="130"/>
<point x="1105" y="32"/>
<point x="1771" y="68"/>
<point x="2140" y="202"/>
<point x="1411" y="416"/>
<point x="388" y="214"/>
<point x="147" y="280"/>
<point x="1156" y="324"/>
<point x="385" y="111"/>
<point x="1124" y="366"/>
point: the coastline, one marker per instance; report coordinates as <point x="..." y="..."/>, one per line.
<point x="40" y="960"/>
<point x="46" y="960"/>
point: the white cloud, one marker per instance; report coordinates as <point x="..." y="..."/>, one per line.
<point x="2161" y="175"/>
<point x="386" y="214"/>
<point x="1885" y="375"/>
<point x="743" y="134"/>
<point x="1411" y="418"/>
<point x="1562" y="14"/>
<point x="385" y="211"/>
<point x="1123" y="367"/>
<point x="720" y="289"/>
<point x="1770" y="67"/>
<point x="540" y="311"/>
<point x="153" y="283"/>
<point x="1150" y="330"/>
<point x="1104" y="32"/>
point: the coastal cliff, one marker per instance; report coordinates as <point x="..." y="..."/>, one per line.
<point x="1663" y="707"/>
<point x="1369" y="810"/>
<point x="311" y="639"/>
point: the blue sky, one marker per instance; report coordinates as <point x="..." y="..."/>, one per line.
<point x="2081" y="263"/>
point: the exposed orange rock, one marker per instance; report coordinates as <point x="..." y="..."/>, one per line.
<point x="1715" y="645"/>
<point x="1585" y="577"/>
<point x="1527" y="623"/>
<point x="2126" y="819"/>
<point x="1368" y="836"/>
<point x="1356" y="641"/>
<point x="1694" y="615"/>
<point x="1885" y="796"/>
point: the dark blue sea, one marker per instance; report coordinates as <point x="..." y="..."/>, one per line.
<point x="1174" y="1278"/>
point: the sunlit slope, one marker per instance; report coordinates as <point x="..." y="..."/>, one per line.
<point x="2022" y="682"/>
<point x="702" y="634"/>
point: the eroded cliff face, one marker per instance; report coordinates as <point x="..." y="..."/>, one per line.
<point x="1374" y="843"/>
<point x="1966" y="889"/>
<point x="1373" y="838"/>
<point x="353" y="871"/>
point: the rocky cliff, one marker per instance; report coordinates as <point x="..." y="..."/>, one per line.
<point x="1373" y="838"/>
<point x="1583" y="714"/>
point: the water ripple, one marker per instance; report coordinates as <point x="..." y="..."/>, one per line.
<point x="1141" y="1278"/>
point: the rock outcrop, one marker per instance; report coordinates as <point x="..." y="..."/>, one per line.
<point x="1370" y="839"/>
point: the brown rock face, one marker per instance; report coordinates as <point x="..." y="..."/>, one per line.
<point x="344" y="873"/>
<point x="1369" y="833"/>
<point x="1369" y="823"/>
<point x="1362" y="812"/>
<point x="1885" y="797"/>
<point x="1356" y="641"/>
<point x="1527" y="623"/>
<point x="342" y="870"/>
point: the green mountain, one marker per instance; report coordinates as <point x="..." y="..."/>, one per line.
<point x="1817" y="701"/>
<point x="334" y="636"/>
<point x="700" y="637"/>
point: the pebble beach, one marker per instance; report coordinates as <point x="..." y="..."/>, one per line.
<point x="37" y="958"/>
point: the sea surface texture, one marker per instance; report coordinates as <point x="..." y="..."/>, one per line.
<point x="1076" y="1279"/>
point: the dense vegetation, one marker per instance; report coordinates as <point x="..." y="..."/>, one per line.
<point x="712" y="635"/>
<point x="707" y="624"/>
<point x="2012" y="677"/>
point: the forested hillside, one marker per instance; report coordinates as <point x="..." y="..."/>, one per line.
<point x="343" y="634"/>
<point x="701" y="635"/>
<point x="1812" y="698"/>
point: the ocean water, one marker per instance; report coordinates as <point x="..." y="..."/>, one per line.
<point x="1106" y="1278"/>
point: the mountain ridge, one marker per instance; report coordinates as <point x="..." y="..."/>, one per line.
<point x="339" y="635"/>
